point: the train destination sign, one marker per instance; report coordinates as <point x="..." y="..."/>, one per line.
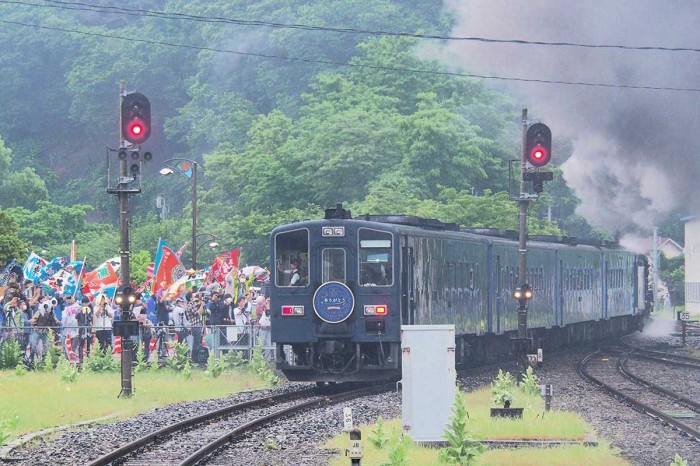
<point x="333" y="302"/>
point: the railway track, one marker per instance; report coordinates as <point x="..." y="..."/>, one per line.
<point x="191" y="440"/>
<point x="608" y="369"/>
<point x="667" y="358"/>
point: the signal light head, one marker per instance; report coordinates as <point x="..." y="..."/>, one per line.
<point x="538" y="145"/>
<point x="523" y="292"/>
<point x="136" y="118"/>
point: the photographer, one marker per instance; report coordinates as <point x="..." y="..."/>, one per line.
<point x="216" y="320"/>
<point x="85" y="318"/>
<point x="193" y="313"/>
<point x="102" y="322"/>
<point x="41" y="321"/>
<point x="181" y="323"/>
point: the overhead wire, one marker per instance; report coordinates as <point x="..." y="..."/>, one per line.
<point x="218" y="19"/>
<point x="348" y="64"/>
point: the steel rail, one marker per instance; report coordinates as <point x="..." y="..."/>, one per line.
<point x="211" y="447"/>
<point x="667" y="358"/>
<point x="642" y="407"/>
<point x="153" y="437"/>
<point x="622" y="366"/>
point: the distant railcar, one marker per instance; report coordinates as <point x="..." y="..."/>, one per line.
<point x="361" y="279"/>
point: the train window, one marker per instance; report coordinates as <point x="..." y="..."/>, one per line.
<point x="376" y="263"/>
<point x="333" y="265"/>
<point x="292" y="258"/>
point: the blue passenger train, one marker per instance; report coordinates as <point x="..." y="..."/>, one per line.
<point x="343" y="287"/>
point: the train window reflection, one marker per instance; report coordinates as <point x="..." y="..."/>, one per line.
<point x="375" y="258"/>
<point x="333" y="265"/>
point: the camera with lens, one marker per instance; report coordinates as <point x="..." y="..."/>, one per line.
<point x="54" y="302"/>
<point x="46" y="306"/>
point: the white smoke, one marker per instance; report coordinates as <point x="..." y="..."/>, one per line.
<point x="636" y="152"/>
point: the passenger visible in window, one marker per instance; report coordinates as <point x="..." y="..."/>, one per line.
<point x="373" y="275"/>
<point x="296" y="278"/>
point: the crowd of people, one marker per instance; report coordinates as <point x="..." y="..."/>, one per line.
<point x="212" y="317"/>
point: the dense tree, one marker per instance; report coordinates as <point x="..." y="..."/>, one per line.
<point x="284" y="122"/>
<point x="11" y="246"/>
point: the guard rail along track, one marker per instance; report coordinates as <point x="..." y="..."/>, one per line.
<point x="638" y="405"/>
<point x="319" y="397"/>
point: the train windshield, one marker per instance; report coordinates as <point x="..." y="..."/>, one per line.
<point x="375" y="255"/>
<point x="292" y="258"/>
<point x="333" y="265"/>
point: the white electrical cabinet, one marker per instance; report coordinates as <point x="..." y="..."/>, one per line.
<point x="428" y="380"/>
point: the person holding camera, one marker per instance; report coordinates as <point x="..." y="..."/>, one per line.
<point x="41" y="321"/>
<point x="102" y="322"/>
<point x="85" y="318"/>
<point x="217" y="310"/>
<point x="240" y="316"/>
<point x="193" y="313"/>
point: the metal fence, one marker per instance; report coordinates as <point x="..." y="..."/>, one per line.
<point x="82" y="340"/>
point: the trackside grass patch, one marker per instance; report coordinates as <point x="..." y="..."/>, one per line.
<point x="42" y="399"/>
<point x="535" y="425"/>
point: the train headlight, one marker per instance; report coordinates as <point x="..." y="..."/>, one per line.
<point x="292" y="310"/>
<point x="376" y="310"/>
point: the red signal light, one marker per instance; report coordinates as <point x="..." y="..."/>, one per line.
<point x="380" y="310"/>
<point x="539" y="153"/>
<point x="135" y="129"/>
<point x="136" y="118"/>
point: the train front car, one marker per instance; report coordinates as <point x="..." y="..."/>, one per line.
<point x="335" y="300"/>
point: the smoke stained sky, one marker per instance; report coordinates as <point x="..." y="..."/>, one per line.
<point x="636" y="152"/>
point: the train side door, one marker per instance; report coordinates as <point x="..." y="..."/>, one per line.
<point x="407" y="284"/>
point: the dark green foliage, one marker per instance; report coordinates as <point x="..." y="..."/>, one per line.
<point x="672" y="272"/>
<point x="101" y="361"/>
<point x="277" y="139"/>
<point x="11" y="246"/>
<point x="178" y="360"/>
<point x="10" y="354"/>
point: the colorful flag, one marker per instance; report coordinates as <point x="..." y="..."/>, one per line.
<point x="185" y="168"/>
<point x="12" y="273"/>
<point x="50" y="269"/>
<point x="104" y="276"/>
<point x="33" y="267"/>
<point x="167" y="269"/>
<point x="67" y="280"/>
<point x="181" y="250"/>
<point x="149" y="272"/>
<point x="222" y="266"/>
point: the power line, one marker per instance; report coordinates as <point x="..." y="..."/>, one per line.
<point x="217" y="19"/>
<point x="356" y="65"/>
